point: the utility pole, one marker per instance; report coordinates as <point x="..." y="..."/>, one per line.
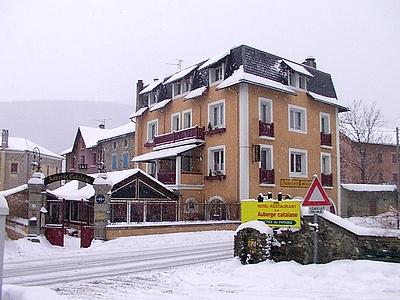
<point x="398" y="174"/>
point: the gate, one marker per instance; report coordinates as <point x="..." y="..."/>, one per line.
<point x="54" y="234"/>
<point x="87" y="234"/>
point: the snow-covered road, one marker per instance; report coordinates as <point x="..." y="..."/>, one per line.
<point x="98" y="264"/>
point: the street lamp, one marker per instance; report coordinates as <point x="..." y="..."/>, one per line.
<point x="36" y="160"/>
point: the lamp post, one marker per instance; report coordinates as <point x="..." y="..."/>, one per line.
<point x="36" y="160"/>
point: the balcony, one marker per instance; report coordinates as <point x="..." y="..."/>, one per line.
<point x="180" y="135"/>
<point x="326" y="139"/>
<point x="267" y="176"/>
<point x="326" y="179"/>
<point x="167" y="178"/>
<point x="82" y="166"/>
<point x="266" y="129"/>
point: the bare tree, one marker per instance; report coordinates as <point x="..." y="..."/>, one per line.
<point x="363" y="141"/>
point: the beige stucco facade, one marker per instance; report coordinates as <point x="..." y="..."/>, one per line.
<point x="241" y="104"/>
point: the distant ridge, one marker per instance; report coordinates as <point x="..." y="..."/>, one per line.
<point x="53" y="124"/>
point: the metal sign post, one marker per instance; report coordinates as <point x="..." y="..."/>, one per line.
<point x="3" y="213"/>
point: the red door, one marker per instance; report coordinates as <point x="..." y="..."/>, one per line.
<point x="87" y="233"/>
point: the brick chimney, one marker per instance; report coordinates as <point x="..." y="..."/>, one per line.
<point x="139" y="98"/>
<point x="4" y="139"/>
<point x="310" y="61"/>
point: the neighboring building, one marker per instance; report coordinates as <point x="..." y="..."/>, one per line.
<point x="238" y="124"/>
<point x="16" y="158"/>
<point x="102" y="149"/>
<point x="360" y="200"/>
<point x="368" y="162"/>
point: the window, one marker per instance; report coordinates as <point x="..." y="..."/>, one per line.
<point x="125" y="160"/>
<point x="297" y="80"/>
<point x="94" y="158"/>
<point x="395" y="177"/>
<point x="175" y="121"/>
<point x="187" y="118"/>
<point x="216" y="160"/>
<point x="326" y="164"/>
<point x="265" y="110"/>
<point x="379" y="157"/>
<point x="325" y="123"/>
<point x="48" y="170"/>
<point x="151" y="168"/>
<point x="216" y="74"/>
<point x="14" y="168"/>
<point x="216" y="114"/>
<point x="151" y="130"/>
<point x="266" y="157"/>
<point x="177" y="88"/>
<point x="83" y="159"/>
<point x="113" y="161"/>
<point x="298" y="163"/>
<point x="114" y="145"/>
<point x="297" y="119"/>
<point x="185" y="85"/>
<point x="380" y="177"/>
<point x="394" y="158"/>
<point x="152" y="99"/>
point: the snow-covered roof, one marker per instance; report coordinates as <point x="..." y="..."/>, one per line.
<point x="15" y="190"/>
<point x="92" y="135"/>
<point x="3" y="206"/>
<point x="164" y="153"/>
<point x="66" y="151"/>
<point x="195" y="93"/>
<point x="214" y="59"/>
<point x="160" y="104"/>
<point x="71" y="191"/>
<point x="298" y="68"/>
<point x="240" y="76"/>
<point x="381" y="135"/>
<point x="23" y="144"/>
<point x="328" y="100"/>
<point x="151" y="86"/>
<point x="139" y="112"/>
<point x="369" y="187"/>
<point x="180" y="74"/>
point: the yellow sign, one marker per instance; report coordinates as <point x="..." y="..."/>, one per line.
<point x="295" y="183"/>
<point x="272" y="212"/>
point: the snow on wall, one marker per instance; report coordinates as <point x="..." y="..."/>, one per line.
<point x="369" y="187"/>
<point x="257" y="225"/>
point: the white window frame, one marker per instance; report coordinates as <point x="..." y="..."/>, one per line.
<point x="183" y="91"/>
<point x="210" y="153"/>
<point x="152" y="99"/>
<point x="211" y="71"/>
<point x="156" y="133"/>
<point x="263" y="147"/>
<point x="184" y="113"/>
<point x="321" y="115"/>
<point x="211" y="113"/>
<point x="174" y="115"/>
<point x="297" y="108"/>
<point x="299" y="174"/>
<point x="324" y="154"/>
<point x="149" y="166"/>
<point x="296" y="77"/>
<point x="261" y="101"/>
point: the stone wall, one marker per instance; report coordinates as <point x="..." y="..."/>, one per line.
<point x="356" y="204"/>
<point x="334" y="242"/>
<point x="18" y="204"/>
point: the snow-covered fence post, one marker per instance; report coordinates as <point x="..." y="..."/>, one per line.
<point x="36" y="187"/>
<point x="3" y="213"/>
<point x="102" y="208"/>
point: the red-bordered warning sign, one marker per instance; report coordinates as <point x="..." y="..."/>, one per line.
<point x="316" y="195"/>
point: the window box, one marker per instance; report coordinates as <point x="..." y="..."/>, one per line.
<point x="215" y="131"/>
<point x="215" y="177"/>
<point x="266" y="129"/>
<point x="181" y="135"/>
<point x="326" y="179"/>
<point x="326" y="139"/>
<point x="267" y="176"/>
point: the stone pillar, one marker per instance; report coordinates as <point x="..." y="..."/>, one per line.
<point x="36" y="202"/>
<point x="102" y="208"/>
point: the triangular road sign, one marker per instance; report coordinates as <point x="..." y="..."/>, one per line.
<point x="316" y="195"/>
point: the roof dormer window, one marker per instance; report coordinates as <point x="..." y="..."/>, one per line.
<point x="216" y="74"/>
<point x="297" y="80"/>
<point x="182" y="86"/>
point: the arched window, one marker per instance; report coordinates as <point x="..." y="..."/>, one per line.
<point x="191" y="206"/>
<point x="216" y="209"/>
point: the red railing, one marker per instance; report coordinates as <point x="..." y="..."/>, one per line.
<point x="326" y="139"/>
<point x="180" y="135"/>
<point x="266" y="129"/>
<point x="167" y="178"/>
<point x="326" y="179"/>
<point x="267" y="176"/>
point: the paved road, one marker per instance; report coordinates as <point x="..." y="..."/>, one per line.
<point x="100" y="264"/>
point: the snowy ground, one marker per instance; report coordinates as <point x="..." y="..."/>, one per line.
<point x="226" y="279"/>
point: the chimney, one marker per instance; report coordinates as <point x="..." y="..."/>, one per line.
<point x="4" y="139"/>
<point x="155" y="79"/>
<point x="310" y="61"/>
<point x="102" y="125"/>
<point x="139" y="98"/>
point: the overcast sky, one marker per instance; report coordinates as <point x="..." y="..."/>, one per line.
<point x="97" y="50"/>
